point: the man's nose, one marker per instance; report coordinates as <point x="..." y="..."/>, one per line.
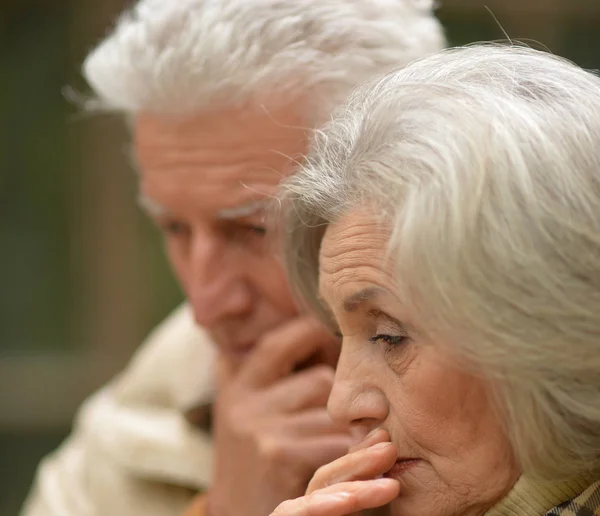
<point x="356" y="397"/>
<point x="216" y="287"/>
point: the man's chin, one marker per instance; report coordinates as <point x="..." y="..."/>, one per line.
<point x="235" y="358"/>
<point x="232" y="350"/>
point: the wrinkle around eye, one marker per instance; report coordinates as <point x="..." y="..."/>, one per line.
<point x="390" y="340"/>
<point x="400" y="357"/>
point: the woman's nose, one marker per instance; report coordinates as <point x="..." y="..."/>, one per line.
<point x="357" y="396"/>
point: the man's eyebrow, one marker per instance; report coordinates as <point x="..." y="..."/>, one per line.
<point x="352" y="302"/>
<point x="245" y="210"/>
<point x="151" y="207"/>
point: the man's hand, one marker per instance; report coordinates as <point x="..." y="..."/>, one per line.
<point x="352" y="485"/>
<point x="272" y="430"/>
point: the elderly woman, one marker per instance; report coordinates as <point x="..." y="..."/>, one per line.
<point x="448" y="225"/>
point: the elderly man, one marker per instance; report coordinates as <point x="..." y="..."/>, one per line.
<point x="222" y="96"/>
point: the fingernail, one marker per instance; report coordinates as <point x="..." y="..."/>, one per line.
<point x="329" y="501"/>
<point x="340" y="495"/>
<point x="358" y="434"/>
<point x="372" y="432"/>
<point x="379" y="446"/>
<point x="383" y="482"/>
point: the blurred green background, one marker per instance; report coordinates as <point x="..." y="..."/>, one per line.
<point x="82" y="274"/>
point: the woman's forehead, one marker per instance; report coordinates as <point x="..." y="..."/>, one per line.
<point x="353" y="252"/>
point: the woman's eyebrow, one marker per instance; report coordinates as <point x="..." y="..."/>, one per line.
<point x="378" y="314"/>
<point x="354" y="301"/>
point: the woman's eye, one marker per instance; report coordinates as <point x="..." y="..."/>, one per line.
<point x="392" y="340"/>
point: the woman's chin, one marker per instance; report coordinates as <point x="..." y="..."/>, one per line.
<point x="406" y="506"/>
<point x="419" y="489"/>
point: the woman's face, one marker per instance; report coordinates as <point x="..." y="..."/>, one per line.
<point x="453" y="457"/>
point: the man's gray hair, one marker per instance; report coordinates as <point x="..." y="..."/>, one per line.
<point x="186" y="56"/>
<point x="486" y="162"/>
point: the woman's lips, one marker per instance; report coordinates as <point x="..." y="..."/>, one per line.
<point x="400" y="467"/>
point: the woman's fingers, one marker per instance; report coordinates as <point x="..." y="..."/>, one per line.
<point x="378" y="435"/>
<point x="342" y="499"/>
<point x="363" y="464"/>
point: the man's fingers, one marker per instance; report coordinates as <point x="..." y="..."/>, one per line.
<point x="310" y="423"/>
<point x="280" y="351"/>
<point x="313" y="452"/>
<point x="225" y="372"/>
<point x="342" y="499"/>
<point x="360" y="465"/>
<point x="306" y="389"/>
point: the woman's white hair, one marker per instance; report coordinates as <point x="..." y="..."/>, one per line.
<point x="486" y="159"/>
<point x="185" y="56"/>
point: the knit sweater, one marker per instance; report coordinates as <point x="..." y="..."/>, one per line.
<point x="575" y="497"/>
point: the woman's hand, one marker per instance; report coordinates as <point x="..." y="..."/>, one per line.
<point x="350" y="484"/>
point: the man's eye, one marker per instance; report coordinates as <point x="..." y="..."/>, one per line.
<point x="255" y="230"/>
<point x="174" y="227"/>
<point x="391" y="340"/>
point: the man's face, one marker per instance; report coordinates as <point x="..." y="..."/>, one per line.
<point x="206" y="181"/>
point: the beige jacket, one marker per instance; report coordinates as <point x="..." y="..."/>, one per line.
<point x="132" y="452"/>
